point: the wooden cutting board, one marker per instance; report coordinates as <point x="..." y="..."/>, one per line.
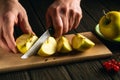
<point x="13" y="62"/>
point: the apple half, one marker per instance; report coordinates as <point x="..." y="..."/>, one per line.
<point x="81" y="43"/>
<point x="63" y="45"/>
<point x="48" y="47"/>
<point x="25" y="41"/>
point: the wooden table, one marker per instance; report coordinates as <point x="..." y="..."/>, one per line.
<point x="85" y="70"/>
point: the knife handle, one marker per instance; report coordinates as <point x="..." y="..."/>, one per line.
<point x="51" y="31"/>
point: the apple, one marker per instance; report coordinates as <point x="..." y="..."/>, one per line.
<point x="109" y="25"/>
<point x="48" y="47"/>
<point x="63" y="45"/>
<point x="25" y="41"/>
<point x="81" y="43"/>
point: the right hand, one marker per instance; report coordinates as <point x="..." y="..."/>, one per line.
<point x="63" y="15"/>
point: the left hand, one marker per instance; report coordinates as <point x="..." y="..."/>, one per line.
<point x="12" y="13"/>
<point x="64" y="15"/>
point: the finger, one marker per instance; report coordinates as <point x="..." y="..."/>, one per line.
<point x="3" y="45"/>
<point x="57" y="24"/>
<point x="8" y="29"/>
<point x="65" y="24"/>
<point x="77" y="21"/>
<point x="64" y="13"/>
<point x="71" y="19"/>
<point x="48" y="20"/>
<point x="24" y="24"/>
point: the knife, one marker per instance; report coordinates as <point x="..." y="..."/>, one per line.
<point x="37" y="44"/>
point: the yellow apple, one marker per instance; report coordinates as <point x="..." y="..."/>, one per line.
<point x="81" y="43"/>
<point x="63" y="45"/>
<point x="109" y="25"/>
<point x="48" y="47"/>
<point x="25" y="41"/>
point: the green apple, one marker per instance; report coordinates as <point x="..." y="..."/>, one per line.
<point x="63" y="45"/>
<point x="48" y="47"/>
<point x="109" y="25"/>
<point x="25" y="41"/>
<point x="81" y="43"/>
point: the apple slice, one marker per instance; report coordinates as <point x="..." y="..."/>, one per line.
<point x="81" y="43"/>
<point x="48" y="47"/>
<point x="25" y="41"/>
<point x="63" y="45"/>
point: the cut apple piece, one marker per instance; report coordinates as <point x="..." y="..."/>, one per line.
<point x="81" y="43"/>
<point x="63" y="45"/>
<point x="48" y="47"/>
<point x="25" y="41"/>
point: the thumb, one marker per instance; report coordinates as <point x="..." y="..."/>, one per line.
<point x="24" y="24"/>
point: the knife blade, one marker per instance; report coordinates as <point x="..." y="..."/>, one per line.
<point x="38" y="43"/>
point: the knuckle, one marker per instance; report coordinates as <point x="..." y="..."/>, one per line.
<point x="78" y="15"/>
<point x="53" y="10"/>
<point x="25" y="13"/>
<point x="7" y="17"/>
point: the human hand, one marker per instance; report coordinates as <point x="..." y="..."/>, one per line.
<point x="64" y="15"/>
<point x="12" y="13"/>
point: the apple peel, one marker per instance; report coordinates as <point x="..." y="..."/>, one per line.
<point x="81" y="43"/>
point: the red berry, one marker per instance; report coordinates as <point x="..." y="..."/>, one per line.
<point x="115" y="62"/>
<point x="116" y="68"/>
<point x="112" y="65"/>
<point x="107" y="65"/>
<point x="118" y="64"/>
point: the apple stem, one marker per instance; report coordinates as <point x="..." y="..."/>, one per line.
<point x="104" y="12"/>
